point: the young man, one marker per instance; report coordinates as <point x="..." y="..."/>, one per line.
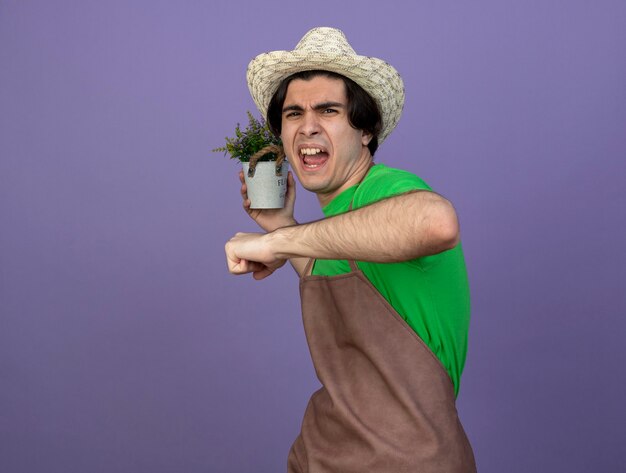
<point x="388" y="334"/>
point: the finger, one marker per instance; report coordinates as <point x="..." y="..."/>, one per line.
<point x="244" y="187"/>
<point x="291" y="189"/>
<point x="291" y="181"/>
<point x="262" y="274"/>
<point x="235" y="265"/>
<point x="245" y="266"/>
<point x="254" y="267"/>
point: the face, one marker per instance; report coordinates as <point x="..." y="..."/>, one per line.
<point x="327" y="154"/>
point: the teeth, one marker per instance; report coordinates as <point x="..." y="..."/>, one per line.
<point x="310" y="151"/>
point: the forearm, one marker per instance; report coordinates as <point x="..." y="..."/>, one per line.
<point x="395" y="229"/>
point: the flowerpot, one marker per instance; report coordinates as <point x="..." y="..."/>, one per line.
<point x="266" y="189"/>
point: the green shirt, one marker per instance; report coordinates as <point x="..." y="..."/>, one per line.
<point x="431" y="293"/>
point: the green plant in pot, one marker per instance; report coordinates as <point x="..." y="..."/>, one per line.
<point x="264" y="165"/>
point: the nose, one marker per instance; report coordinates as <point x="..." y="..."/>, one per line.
<point x="310" y="123"/>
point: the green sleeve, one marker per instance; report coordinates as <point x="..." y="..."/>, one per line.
<point x="387" y="182"/>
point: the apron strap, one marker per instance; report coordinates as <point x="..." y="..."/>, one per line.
<point x="308" y="268"/>
<point x="353" y="266"/>
<point x="352" y="263"/>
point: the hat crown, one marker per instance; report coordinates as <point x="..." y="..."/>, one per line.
<point x="327" y="49"/>
<point x="325" y="40"/>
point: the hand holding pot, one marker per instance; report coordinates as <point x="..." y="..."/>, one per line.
<point x="272" y="219"/>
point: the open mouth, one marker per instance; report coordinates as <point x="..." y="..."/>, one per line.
<point x="313" y="157"/>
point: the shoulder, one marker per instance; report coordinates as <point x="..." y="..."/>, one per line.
<point x="383" y="182"/>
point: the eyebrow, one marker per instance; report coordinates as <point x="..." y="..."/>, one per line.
<point x="318" y="107"/>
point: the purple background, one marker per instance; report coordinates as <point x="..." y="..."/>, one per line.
<point x="125" y="346"/>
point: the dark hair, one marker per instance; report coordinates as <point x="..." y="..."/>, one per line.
<point x="363" y="112"/>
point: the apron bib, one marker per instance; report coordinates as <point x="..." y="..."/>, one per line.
<point x="386" y="404"/>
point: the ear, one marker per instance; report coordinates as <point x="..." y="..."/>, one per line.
<point x="366" y="137"/>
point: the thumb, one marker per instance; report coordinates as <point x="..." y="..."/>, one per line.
<point x="291" y="189"/>
<point x="263" y="273"/>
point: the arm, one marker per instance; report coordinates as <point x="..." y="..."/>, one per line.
<point x="396" y="229"/>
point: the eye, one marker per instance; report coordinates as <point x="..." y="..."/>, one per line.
<point x="292" y="114"/>
<point x="329" y="111"/>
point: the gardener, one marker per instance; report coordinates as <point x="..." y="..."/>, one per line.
<point x="387" y="335"/>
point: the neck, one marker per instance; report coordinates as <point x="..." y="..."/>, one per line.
<point x="360" y="171"/>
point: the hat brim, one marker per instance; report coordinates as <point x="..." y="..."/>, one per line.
<point x="380" y="80"/>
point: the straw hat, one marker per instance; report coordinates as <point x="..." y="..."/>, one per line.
<point x="328" y="49"/>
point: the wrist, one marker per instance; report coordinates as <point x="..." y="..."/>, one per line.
<point x="291" y="222"/>
<point x="282" y="241"/>
<point x="278" y="225"/>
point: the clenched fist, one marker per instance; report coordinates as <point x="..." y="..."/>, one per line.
<point x="253" y="253"/>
